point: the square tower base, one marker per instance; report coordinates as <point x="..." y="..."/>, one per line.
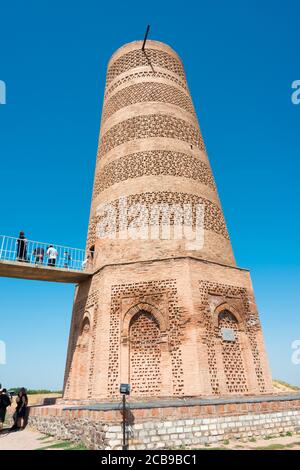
<point x="177" y="327"/>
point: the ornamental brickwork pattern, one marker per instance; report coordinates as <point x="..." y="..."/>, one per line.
<point x="232" y="356"/>
<point x="147" y="92"/>
<point x="213" y="215"/>
<point x="138" y="291"/>
<point x="151" y="125"/>
<point x="145" y="74"/>
<point x="145" y="356"/>
<point x="139" y="58"/>
<point x="251" y="325"/>
<point x="153" y="163"/>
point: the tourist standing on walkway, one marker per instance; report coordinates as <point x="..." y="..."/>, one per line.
<point x="67" y="259"/>
<point x="52" y="254"/>
<point x="22" y="247"/>
<point x="20" y="414"/>
<point x="38" y="254"/>
<point x="4" y="403"/>
<point x="86" y="263"/>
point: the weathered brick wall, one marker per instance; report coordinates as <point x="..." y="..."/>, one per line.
<point x="186" y="300"/>
<point x="145" y="355"/>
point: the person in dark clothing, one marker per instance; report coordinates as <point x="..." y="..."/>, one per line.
<point x="92" y="252"/>
<point x="4" y="403"/>
<point x="67" y="260"/>
<point x="20" y="414"/>
<point x="22" y="247"/>
<point x="38" y="254"/>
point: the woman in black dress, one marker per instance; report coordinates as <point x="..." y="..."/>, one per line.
<point x="20" y="414"/>
<point x="22" y="247"/>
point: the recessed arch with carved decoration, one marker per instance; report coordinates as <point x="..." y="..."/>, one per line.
<point x="146" y="307"/>
<point x="226" y="307"/>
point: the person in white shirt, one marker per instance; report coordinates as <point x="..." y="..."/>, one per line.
<point x="86" y="264"/>
<point x="52" y="254"/>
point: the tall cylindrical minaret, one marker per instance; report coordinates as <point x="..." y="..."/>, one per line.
<point x="171" y="316"/>
<point x="151" y="154"/>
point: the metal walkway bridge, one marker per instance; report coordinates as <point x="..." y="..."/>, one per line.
<point x="27" y="259"/>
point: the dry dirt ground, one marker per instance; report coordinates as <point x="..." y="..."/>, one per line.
<point x="271" y="443"/>
<point x="29" y="439"/>
<point x="21" y="440"/>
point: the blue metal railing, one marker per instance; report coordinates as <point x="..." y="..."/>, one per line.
<point x="42" y="254"/>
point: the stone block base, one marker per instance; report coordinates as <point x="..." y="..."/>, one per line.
<point x="167" y="424"/>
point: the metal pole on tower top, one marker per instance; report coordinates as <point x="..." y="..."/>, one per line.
<point x="145" y="38"/>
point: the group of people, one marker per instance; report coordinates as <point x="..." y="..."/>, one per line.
<point x="39" y="253"/>
<point x="20" y="414"/>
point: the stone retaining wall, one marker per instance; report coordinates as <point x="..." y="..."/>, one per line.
<point x="168" y="427"/>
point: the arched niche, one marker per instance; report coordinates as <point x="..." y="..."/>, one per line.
<point x="146" y="307"/>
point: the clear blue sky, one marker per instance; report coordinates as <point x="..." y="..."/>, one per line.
<point x="240" y="58"/>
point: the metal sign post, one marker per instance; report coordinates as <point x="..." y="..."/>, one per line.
<point x="124" y="390"/>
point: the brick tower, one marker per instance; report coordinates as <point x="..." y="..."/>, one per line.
<point x="168" y="315"/>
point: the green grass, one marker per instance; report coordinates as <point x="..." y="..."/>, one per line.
<point x="64" y="445"/>
<point x="79" y="447"/>
<point x="272" y="447"/>
<point x="43" y="438"/>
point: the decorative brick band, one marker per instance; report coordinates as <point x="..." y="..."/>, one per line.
<point x="152" y="125"/>
<point x="138" y="58"/>
<point x="153" y="163"/>
<point x="144" y="74"/>
<point x="213" y="216"/>
<point x="145" y="92"/>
